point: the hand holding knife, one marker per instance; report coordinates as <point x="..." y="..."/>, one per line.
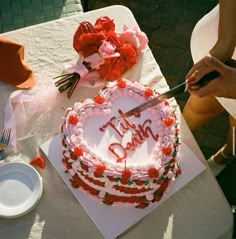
<point x="181" y="88"/>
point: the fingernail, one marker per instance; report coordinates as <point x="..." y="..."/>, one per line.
<point x="191" y="79"/>
<point x="186" y="87"/>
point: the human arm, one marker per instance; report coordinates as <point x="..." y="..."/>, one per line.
<point x="225" y="43"/>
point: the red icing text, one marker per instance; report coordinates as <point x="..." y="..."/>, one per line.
<point x="139" y="134"/>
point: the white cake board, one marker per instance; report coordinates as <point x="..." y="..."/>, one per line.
<point x="114" y="220"/>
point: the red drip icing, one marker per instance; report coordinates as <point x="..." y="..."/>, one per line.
<point x="131" y="190"/>
<point x="91" y="180"/>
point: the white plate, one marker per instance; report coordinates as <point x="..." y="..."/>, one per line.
<point x="21" y="188"/>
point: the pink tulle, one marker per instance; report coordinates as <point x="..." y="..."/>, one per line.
<point x="24" y="106"/>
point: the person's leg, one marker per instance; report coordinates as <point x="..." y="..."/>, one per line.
<point x="198" y="111"/>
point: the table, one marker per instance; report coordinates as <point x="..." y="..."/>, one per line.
<point x="199" y="210"/>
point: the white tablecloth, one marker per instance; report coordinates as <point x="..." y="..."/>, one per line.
<point x="199" y="210"/>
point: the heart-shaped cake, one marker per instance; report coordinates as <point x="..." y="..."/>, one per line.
<point x="116" y="159"/>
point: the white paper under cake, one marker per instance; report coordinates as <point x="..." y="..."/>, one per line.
<point x="113" y="220"/>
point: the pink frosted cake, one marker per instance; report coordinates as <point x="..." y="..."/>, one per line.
<point x="130" y="161"/>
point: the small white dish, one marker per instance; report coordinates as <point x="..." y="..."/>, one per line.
<point x="21" y="188"/>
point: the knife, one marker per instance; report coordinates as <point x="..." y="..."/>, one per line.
<point x="169" y="94"/>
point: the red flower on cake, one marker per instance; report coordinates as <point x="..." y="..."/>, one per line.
<point x="78" y="151"/>
<point x="178" y="171"/>
<point x="142" y="205"/>
<point x="67" y="164"/>
<point x="74" y="184"/>
<point x="157" y="197"/>
<point x="121" y="83"/>
<point x="168" y="121"/>
<point x="99" y="170"/>
<point x="139" y="182"/>
<point x="148" y="92"/>
<point x="99" y="99"/>
<point x="111" y="178"/>
<point x="107" y="202"/>
<point x="173" y="160"/>
<point x="125" y="176"/>
<point x="164" y="185"/>
<point x="153" y="173"/>
<point x="64" y="142"/>
<point x="103" y="51"/>
<point x="167" y="150"/>
<point x="174" y="116"/>
<point x="159" y="181"/>
<point x="73" y="156"/>
<point x="73" y="119"/>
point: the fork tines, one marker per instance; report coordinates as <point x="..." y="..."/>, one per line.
<point x="4" y="152"/>
<point x="5" y="136"/>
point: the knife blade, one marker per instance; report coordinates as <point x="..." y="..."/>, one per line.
<point x="169" y="94"/>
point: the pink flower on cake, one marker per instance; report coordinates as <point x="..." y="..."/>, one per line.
<point x="103" y="50"/>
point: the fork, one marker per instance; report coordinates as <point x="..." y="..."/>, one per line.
<point x="5" y="138"/>
<point x="5" y="151"/>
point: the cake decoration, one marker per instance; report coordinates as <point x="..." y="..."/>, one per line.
<point x="129" y="161"/>
<point x="104" y="53"/>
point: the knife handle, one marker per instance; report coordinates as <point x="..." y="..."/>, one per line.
<point x="208" y="77"/>
<point x="205" y="79"/>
